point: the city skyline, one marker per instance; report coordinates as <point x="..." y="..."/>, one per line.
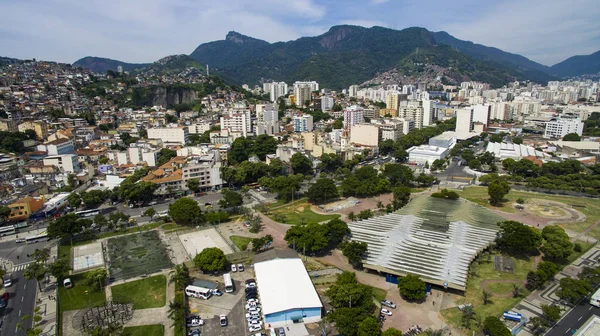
<point x="66" y="30"/>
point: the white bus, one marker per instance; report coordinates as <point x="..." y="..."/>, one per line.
<point x="198" y="292"/>
<point x="228" y="283"/>
<point x="38" y="237"/>
<point x="88" y="213"/>
<point x="595" y="300"/>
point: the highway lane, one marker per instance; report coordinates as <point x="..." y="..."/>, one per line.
<point x="575" y="319"/>
<point x="20" y="303"/>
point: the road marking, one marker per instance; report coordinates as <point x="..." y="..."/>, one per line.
<point x="590" y="308"/>
<point x="22" y="297"/>
<point x="579" y="319"/>
<point x="24" y="286"/>
<point x="19" y="313"/>
<point x="16" y="329"/>
<point x="567" y="331"/>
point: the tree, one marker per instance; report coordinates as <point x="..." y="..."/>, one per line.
<point x="150" y="212"/>
<point x="551" y="313"/>
<point x="517" y="140"/>
<point x="193" y="184"/>
<point x="497" y="190"/>
<point x="4" y="213"/>
<point x="517" y="237"/>
<point x="180" y="276"/>
<point x="262" y="242"/>
<point x="425" y="180"/>
<point x="211" y="259"/>
<point x="239" y="151"/>
<point x="231" y="199"/>
<point x="494" y="327"/>
<point x="365" y="214"/>
<point x="557" y="242"/>
<point x="96" y="279"/>
<point x="369" y="327"/>
<point x="355" y="252"/>
<point x="591" y="275"/>
<point x="411" y="287"/>
<point x="310" y="237"/>
<point x="100" y="221"/>
<point x="351" y="216"/>
<point x="36" y="271"/>
<point x="65" y="226"/>
<point x="185" y="211"/>
<point x="572" y="137"/>
<point x="467" y="315"/>
<point x="59" y="269"/>
<point x="401" y="197"/>
<point x="486" y="296"/>
<point x="398" y="174"/>
<point x="164" y="155"/>
<point x="74" y="200"/>
<point x="392" y="332"/>
<point x="264" y="144"/>
<point x="573" y="290"/>
<point x="301" y="164"/>
<point x="347" y="319"/>
<point x="322" y="190"/>
<point x="178" y="311"/>
<point x="337" y="231"/>
<point x="347" y="292"/>
<point x="41" y="256"/>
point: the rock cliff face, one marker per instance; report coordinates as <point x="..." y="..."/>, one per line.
<point x="164" y="96"/>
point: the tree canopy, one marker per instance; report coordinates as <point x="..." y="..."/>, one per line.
<point x="186" y="211"/>
<point x="211" y="259"/>
<point x="515" y="237"/>
<point x="301" y="164"/>
<point x="365" y="181"/>
<point x="322" y="191"/>
<point x="231" y="199"/>
<point x="411" y="287"/>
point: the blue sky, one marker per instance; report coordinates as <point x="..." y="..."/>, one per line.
<point x="546" y="31"/>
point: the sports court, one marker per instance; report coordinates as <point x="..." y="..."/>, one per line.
<point x="195" y="242"/>
<point x="87" y="256"/>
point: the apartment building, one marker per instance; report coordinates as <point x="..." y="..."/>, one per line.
<point x="560" y="127"/>
<point x="365" y="135"/>
<point x="238" y="121"/>
<point x="303" y="123"/>
<point x="353" y="115"/>
<point x="67" y="163"/>
<point x="169" y="134"/>
<point x="23" y="208"/>
<point x="39" y="127"/>
<point x="464" y="120"/>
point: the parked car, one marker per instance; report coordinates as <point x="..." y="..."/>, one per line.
<point x="251" y="296"/>
<point x="254" y="328"/>
<point x="152" y="203"/>
<point x="255" y="309"/>
<point x="250" y="281"/>
<point x="20" y="240"/>
<point x="217" y="292"/>
<point x="388" y="304"/>
<point x="253" y="301"/>
<point x="240" y="267"/>
<point x="251" y="285"/>
<point x="250" y="289"/>
<point x="194" y="322"/>
<point x="223" y="320"/>
<point x="7" y="280"/>
<point x="67" y="283"/>
<point x="281" y="332"/>
<point x="251" y="305"/>
<point x="386" y="312"/>
<point x="233" y="268"/>
<point x="193" y="332"/>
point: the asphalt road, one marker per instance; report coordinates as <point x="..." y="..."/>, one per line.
<point x="454" y="172"/>
<point x="22" y="293"/>
<point x="574" y="320"/>
<point x="21" y="302"/>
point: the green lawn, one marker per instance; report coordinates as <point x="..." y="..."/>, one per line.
<point x="299" y="213"/>
<point x="241" y="242"/>
<point x="473" y="295"/>
<point x="500" y="288"/>
<point x="589" y="207"/>
<point x="79" y="296"/>
<point x="133" y="229"/>
<point x="147" y="330"/>
<point x="379" y="294"/>
<point x="170" y="226"/>
<point x="145" y="293"/>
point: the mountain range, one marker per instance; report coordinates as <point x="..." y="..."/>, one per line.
<point x="347" y="55"/>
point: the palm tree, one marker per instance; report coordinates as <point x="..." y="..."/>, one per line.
<point x="180" y="276"/>
<point x="351" y="216"/>
<point x="516" y="290"/>
<point x="379" y="205"/>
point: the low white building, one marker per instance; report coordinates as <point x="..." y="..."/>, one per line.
<point x="426" y="154"/>
<point x="513" y="151"/>
<point x="169" y="134"/>
<point x="560" y="127"/>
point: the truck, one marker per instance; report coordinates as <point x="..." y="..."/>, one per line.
<point x="595" y="300"/>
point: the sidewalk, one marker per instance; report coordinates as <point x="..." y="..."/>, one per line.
<point x="46" y="300"/>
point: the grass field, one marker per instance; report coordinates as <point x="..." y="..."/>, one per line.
<point x="299" y="213"/>
<point x="379" y="294"/>
<point x="147" y="330"/>
<point x="500" y="288"/>
<point x="587" y="206"/>
<point x="485" y="271"/>
<point x="241" y="242"/>
<point x="145" y="293"/>
<point x="80" y="295"/>
<point x="170" y="226"/>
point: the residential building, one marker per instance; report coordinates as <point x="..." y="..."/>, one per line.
<point x="239" y="121"/>
<point x="388" y="112"/>
<point x="353" y="91"/>
<point x="67" y="163"/>
<point x="326" y="103"/>
<point x="277" y="89"/>
<point x="353" y="115"/>
<point x="199" y="128"/>
<point x="365" y="135"/>
<point x="481" y="113"/>
<point x="302" y="93"/>
<point x="392" y="100"/>
<point x="411" y="110"/>
<point x="39" y="127"/>
<point x="23" y="208"/>
<point x="303" y="123"/>
<point x="8" y="125"/>
<point x="58" y="147"/>
<point x="169" y="134"/>
<point x="428" y="112"/>
<point x="559" y="127"/>
<point x="464" y="120"/>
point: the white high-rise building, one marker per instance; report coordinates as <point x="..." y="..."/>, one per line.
<point x="267" y="120"/>
<point x="169" y="134"/>
<point x="560" y="127"/>
<point x="427" y="112"/>
<point x="353" y="115"/>
<point x="411" y="110"/>
<point x="238" y="121"/>
<point x="303" y="123"/>
<point x="326" y="103"/>
<point x="353" y="91"/>
<point x="278" y="89"/>
<point x="481" y="113"/>
<point x="464" y="120"/>
<point x="314" y="86"/>
<point x="303" y="94"/>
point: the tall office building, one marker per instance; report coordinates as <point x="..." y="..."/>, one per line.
<point x="392" y="100"/>
<point x="428" y="115"/>
<point x="464" y="120"/>
<point x="481" y="113"/>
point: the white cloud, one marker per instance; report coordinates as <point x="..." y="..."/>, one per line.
<point x="544" y="31"/>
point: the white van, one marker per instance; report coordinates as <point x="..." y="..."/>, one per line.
<point x="198" y="292"/>
<point x="67" y="283"/>
<point x="7" y="280"/>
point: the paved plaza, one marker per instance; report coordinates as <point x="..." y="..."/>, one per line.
<point x="195" y="242"/>
<point x="87" y="256"/>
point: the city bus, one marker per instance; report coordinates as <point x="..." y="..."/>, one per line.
<point x="34" y="239"/>
<point x="228" y="283"/>
<point x="509" y="315"/>
<point x="198" y="292"/>
<point x="88" y="213"/>
<point x="7" y="230"/>
<point x="595" y="300"/>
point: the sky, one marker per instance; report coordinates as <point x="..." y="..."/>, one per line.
<point x="546" y="31"/>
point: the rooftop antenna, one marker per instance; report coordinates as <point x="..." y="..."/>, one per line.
<point x="207" y="72"/>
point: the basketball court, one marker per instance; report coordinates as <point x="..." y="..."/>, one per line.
<point x="195" y="242"/>
<point x="87" y="256"/>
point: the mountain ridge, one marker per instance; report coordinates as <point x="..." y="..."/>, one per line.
<point x="578" y="65"/>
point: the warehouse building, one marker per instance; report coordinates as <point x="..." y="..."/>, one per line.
<point x="286" y="292"/>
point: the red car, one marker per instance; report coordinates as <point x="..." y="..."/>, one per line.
<point x="5" y="296"/>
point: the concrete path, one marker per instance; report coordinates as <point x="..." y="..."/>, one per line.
<point x="46" y="300"/>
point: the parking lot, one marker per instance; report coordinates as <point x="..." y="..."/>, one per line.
<point x="230" y="304"/>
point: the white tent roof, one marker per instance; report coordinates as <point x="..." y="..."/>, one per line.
<point x="284" y="284"/>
